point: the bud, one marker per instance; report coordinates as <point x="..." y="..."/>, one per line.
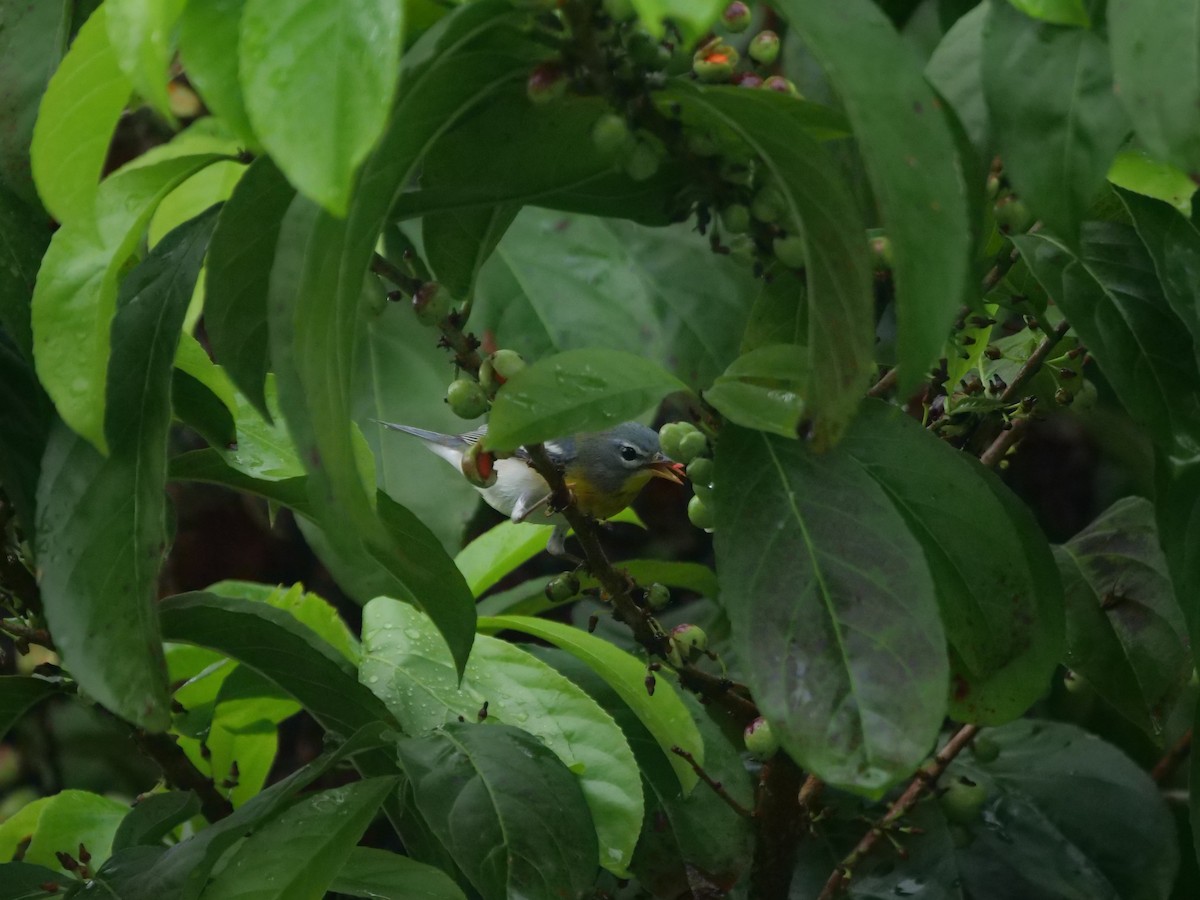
<point x="466" y="398"/>
<point x="479" y="466"/>
<point x="700" y="515"/>
<point x="547" y="82"/>
<point x="431" y="303"/>
<point x="611" y="135"/>
<point x="715" y="62"/>
<point x="735" y="218"/>
<point x="562" y="587"/>
<point x="658" y="596"/>
<point x="764" y="48"/>
<point x="759" y="740"/>
<point x="749" y="80"/>
<point x="790" y="251"/>
<point x="737" y="17"/>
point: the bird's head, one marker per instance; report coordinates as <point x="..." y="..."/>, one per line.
<point x="622" y="459"/>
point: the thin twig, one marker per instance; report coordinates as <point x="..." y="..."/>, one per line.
<point x="385" y="268"/>
<point x="779" y="826"/>
<point x="718" y="788"/>
<point x="1171" y="760"/>
<point x="884" y="385"/>
<point x="22" y="632"/>
<point x="924" y="780"/>
<point x="1012" y="393"/>
<point x="179" y="772"/>
<point x="999" y="447"/>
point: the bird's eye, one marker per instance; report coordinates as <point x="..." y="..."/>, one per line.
<point x="628" y="453"/>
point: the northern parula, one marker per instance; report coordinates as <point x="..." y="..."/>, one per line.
<point x="605" y="471"/>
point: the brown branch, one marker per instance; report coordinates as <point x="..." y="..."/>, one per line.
<point x="179" y="772"/>
<point x="22" y="632"/>
<point x="884" y="385"/>
<point x="779" y="827"/>
<point x="718" y="788"/>
<point x="924" y="780"/>
<point x="1171" y="760"/>
<point x="385" y="268"/>
<point x="999" y="447"/>
<point x="1012" y="393"/>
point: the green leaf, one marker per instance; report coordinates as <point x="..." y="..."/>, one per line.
<point x="1174" y="244"/>
<point x="182" y="871"/>
<point x="319" y="81"/>
<point x="239" y="270"/>
<point x="1125" y="631"/>
<point x="1177" y="512"/>
<point x="840" y="305"/>
<point x="1113" y="299"/>
<point x="17" y="694"/>
<point x="663" y="714"/>
<point x="75" y="122"/>
<point x="24" y="881"/>
<point x="539" y="156"/>
<point x="101" y="526"/>
<point x="76" y="291"/>
<point x="63" y="822"/>
<point x="209" y="35"/>
<point x="510" y="814"/>
<point x="652" y="291"/>
<point x="1135" y="170"/>
<point x="691" y="842"/>
<point x="32" y="43"/>
<point x="140" y="32"/>
<point x="26" y="236"/>
<point x="1002" y="616"/>
<point x="154" y="818"/>
<point x="309" y="609"/>
<point x="574" y="392"/>
<point x="288" y="653"/>
<point x="299" y="853"/>
<point x="956" y="72"/>
<point x="912" y="163"/>
<point x="1055" y="116"/>
<point x="764" y="389"/>
<point x="388" y="876"/>
<point x="1067" y="816"/>
<point x="839" y="636"/>
<point x="210" y="467"/>
<point x="693" y="18"/>
<point x="407" y="666"/>
<point x="458" y="243"/>
<point x="1155" y="46"/>
<point x="1056" y="12"/>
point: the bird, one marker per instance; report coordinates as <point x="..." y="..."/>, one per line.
<point x="604" y="470"/>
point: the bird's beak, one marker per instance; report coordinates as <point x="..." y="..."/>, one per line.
<point x="668" y="469"/>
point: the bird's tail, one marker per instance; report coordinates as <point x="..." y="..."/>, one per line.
<point x="453" y="441"/>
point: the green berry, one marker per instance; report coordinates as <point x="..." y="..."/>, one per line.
<point x="700" y="470"/>
<point x="691" y="445"/>
<point x="611" y="135"/>
<point x="658" y="596"/>
<point x="963" y="800"/>
<point x="674" y="655"/>
<point x="768" y="204"/>
<point x="506" y="364"/>
<point x="781" y="85"/>
<point x="647" y="52"/>
<point x="700" y="514"/>
<point x="764" y="48"/>
<point x="715" y="62"/>
<point x="479" y="466"/>
<point x="1012" y="215"/>
<point x="736" y="171"/>
<point x="546" y="83"/>
<point x="985" y="749"/>
<point x="467" y="398"/>
<point x="671" y="435"/>
<point x="790" y="251"/>
<point x="735" y="218"/>
<point x="737" y="17"/>
<point x="431" y="303"/>
<point x="703" y="491"/>
<point x="691" y="639"/>
<point x="562" y="587"/>
<point x="642" y="161"/>
<point x="761" y="743"/>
